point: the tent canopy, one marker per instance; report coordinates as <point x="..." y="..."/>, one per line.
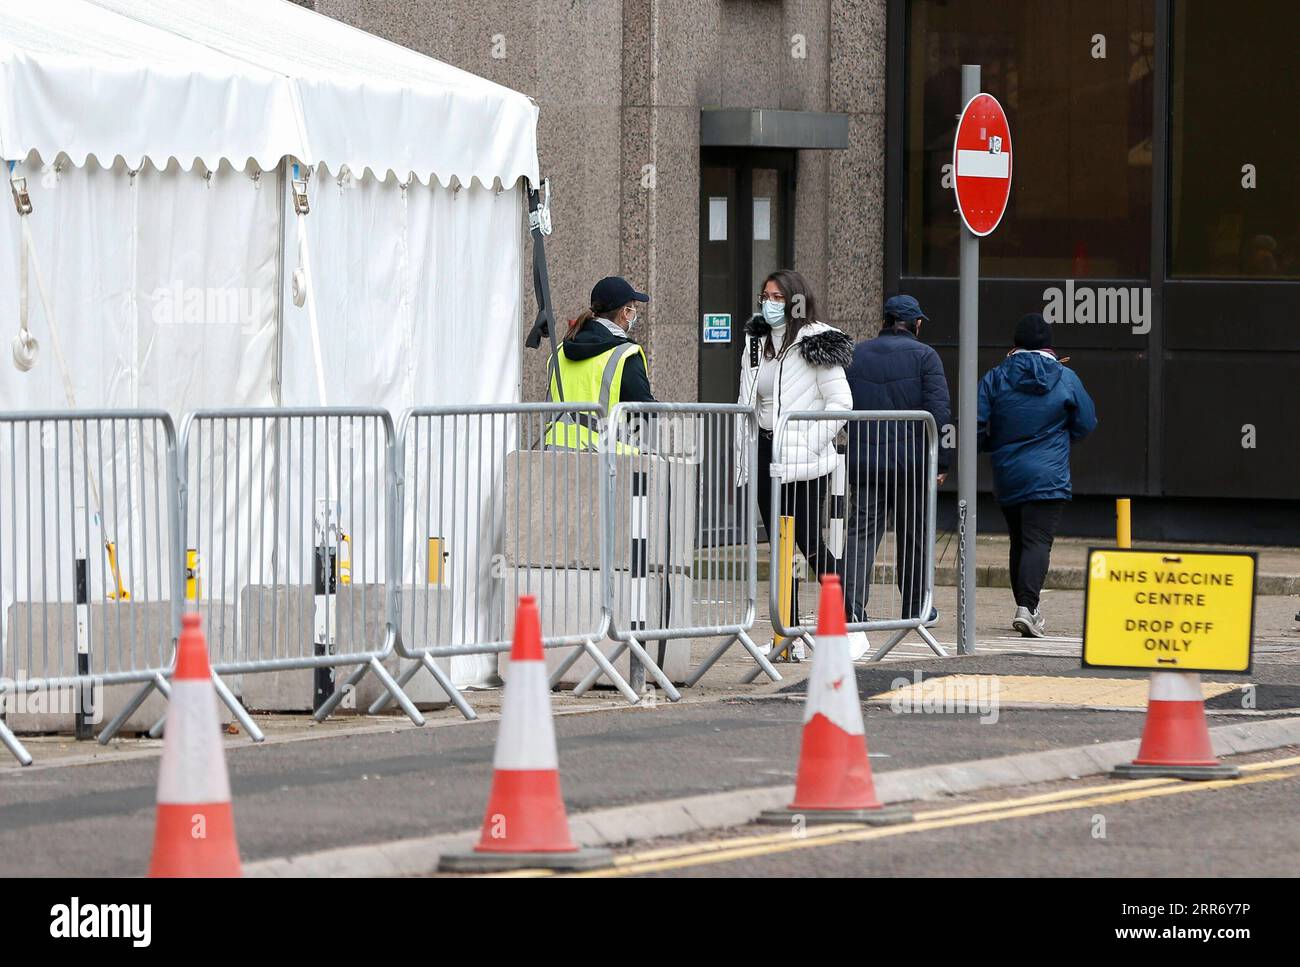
<point x="262" y="79"/>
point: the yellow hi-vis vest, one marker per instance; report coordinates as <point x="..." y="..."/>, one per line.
<point x="595" y="380"/>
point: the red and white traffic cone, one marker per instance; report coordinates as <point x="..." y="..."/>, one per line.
<point x="525" y="824"/>
<point x="834" y="783"/>
<point x="1175" y="739"/>
<point x="195" y="832"/>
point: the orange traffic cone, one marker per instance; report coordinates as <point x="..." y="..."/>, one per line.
<point x="195" y="833"/>
<point x="834" y="782"/>
<point x="1175" y="739"/>
<point x="525" y="824"/>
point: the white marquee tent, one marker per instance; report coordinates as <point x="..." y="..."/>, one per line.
<point x="159" y="138"/>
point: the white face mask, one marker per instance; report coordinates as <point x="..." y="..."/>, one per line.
<point x="774" y="314"/>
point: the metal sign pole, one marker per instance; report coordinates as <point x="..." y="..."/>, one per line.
<point x="968" y="381"/>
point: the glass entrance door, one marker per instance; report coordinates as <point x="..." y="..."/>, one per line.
<point x="746" y="232"/>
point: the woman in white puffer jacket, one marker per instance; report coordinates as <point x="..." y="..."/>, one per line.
<point x="793" y="362"/>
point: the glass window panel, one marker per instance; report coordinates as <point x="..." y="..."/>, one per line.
<point x="1075" y="77"/>
<point x="1235" y="101"/>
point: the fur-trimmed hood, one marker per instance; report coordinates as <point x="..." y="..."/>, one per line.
<point x="820" y="345"/>
<point x="810" y="379"/>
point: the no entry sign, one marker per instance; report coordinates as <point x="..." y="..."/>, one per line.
<point x="981" y="164"/>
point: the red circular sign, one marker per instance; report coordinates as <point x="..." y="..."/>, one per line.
<point x="981" y="164"/>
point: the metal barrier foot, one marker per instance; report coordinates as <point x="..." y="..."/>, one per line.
<point x="340" y="693"/>
<point x="237" y="710"/>
<point x="709" y="661"/>
<point x="445" y="683"/>
<point x="604" y="665"/>
<point x="382" y="702"/>
<point x="394" y="689"/>
<point x="764" y="666"/>
<point x="14" y="746"/>
<point x="888" y="646"/>
<point x="765" y="662"/>
<point x="596" y="672"/>
<point x="567" y="662"/>
<point x="115" y="724"/>
<point x="929" y="639"/>
<point x="654" y="671"/>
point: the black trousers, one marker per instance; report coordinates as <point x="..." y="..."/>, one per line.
<point x="804" y="501"/>
<point x="879" y="495"/>
<point x="1032" y="526"/>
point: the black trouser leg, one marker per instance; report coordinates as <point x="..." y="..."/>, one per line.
<point x="909" y="526"/>
<point x="763" y="487"/>
<point x="866" y="528"/>
<point x="1012" y="514"/>
<point x="1035" y="530"/>
<point x="805" y="501"/>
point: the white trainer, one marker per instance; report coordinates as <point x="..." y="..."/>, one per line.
<point x="859" y="646"/>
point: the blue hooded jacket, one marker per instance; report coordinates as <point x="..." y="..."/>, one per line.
<point x="1030" y="409"/>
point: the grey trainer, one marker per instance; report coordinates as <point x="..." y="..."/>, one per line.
<point x="1030" y="624"/>
<point x="1021" y="615"/>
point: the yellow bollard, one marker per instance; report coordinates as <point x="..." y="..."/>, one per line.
<point x="1123" y="522"/>
<point x="345" y="563"/>
<point x="784" y="574"/>
<point x="192" y="574"/>
<point x="121" y="594"/>
<point x="436" y="557"/>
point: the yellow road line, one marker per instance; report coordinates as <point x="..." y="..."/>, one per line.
<point x="922" y="825"/>
<point x="1272" y="764"/>
<point x="821" y="832"/>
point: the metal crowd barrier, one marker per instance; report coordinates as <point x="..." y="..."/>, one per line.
<point x="496" y="503"/>
<point x="289" y="536"/>
<point x="319" y="538"/>
<point x="684" y="563"/>
<point x="89" y="590"/>
<point x="853" y="481"/>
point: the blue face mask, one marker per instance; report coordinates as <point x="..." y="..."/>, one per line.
<point x="774" y="313"/>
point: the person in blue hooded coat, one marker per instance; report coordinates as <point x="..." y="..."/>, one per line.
<point x="1031" y="411"/>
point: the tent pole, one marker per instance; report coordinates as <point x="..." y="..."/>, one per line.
<point x="277" y="375"/>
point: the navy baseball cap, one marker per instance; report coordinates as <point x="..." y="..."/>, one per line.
<point x="903" y="308"/>
<point x="613" y="291"/>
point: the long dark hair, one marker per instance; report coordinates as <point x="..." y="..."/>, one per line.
<point x="800" y="306"/>
<point x="593" y="312"/>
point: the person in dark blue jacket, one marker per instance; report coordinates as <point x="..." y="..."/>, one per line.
<point x="886" y="461"/>
<point x="1031" y="410"/>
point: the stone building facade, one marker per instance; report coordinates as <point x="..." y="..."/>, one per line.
<point x="621" y="85"/>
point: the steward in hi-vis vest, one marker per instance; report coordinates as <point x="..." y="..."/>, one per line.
<point x="597" y="363"/>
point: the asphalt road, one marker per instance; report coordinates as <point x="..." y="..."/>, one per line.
<point x="305" y="796"/>
<point x="1087" y="828"/>
<point x="337" y="789"/>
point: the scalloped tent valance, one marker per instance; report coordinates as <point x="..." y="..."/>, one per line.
<point x="240" y="79"/>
